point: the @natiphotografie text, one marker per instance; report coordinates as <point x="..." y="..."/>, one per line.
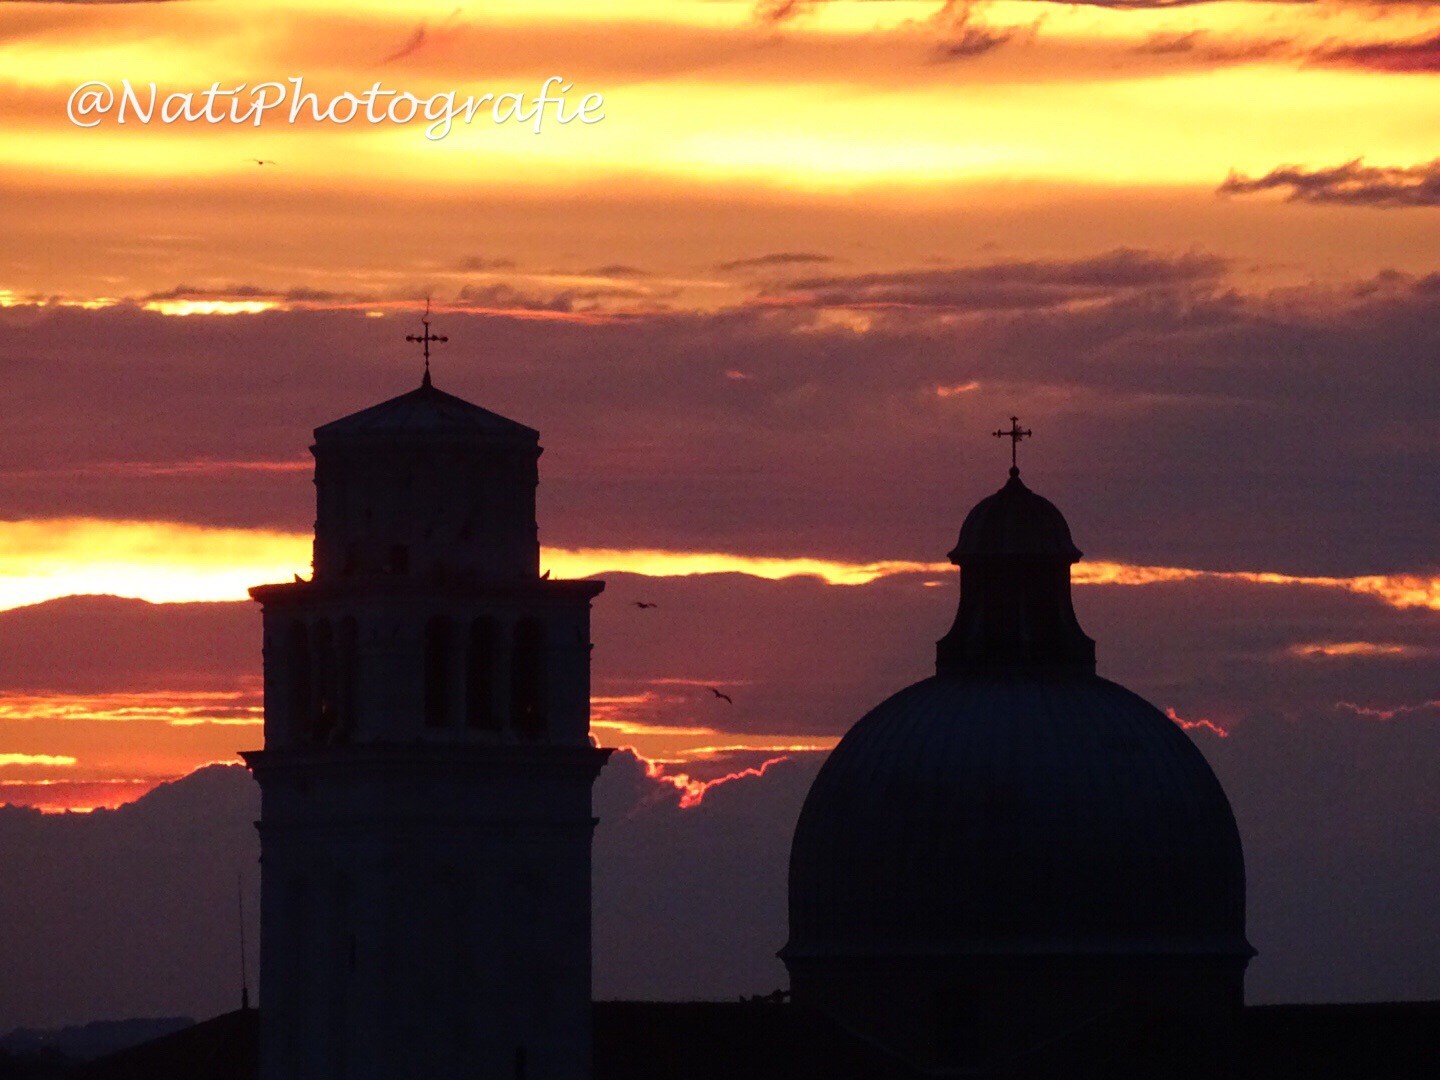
<point x="92" y="103"/>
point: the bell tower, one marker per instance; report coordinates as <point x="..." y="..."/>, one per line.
<point x="426" y="821"/>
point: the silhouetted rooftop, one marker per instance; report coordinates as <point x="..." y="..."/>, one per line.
<point x="225" y="1047"/>
<point x="424" y="411"/>
<point x="763" y="1041"/>
<point x="1015" y="522"/>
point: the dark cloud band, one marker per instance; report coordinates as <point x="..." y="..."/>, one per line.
<point x="1351" y="184"/>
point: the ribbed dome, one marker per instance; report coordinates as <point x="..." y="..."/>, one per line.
<point x="999" y="862"/>
<point x="1015" y="522"/>
<point x="1016" y="816"/>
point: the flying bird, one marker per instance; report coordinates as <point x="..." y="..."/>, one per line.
<point x="412" y="44"/>
<point x="724" y="697"/>
<point x="642" y="605"/>
<point x="260" y="161"/>
<point x="416" y="41"/>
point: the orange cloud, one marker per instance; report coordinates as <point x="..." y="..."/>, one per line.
<point x="1374" y="712"/>
<point x="957" y="389"/>
<point x="692" y="791"/>
<point x="646" y="723"/>
<point x="1396" y="590"/>
<point x="178" y="708"/>
<point x="210" y="307"/>
<point x="48" y="760"/>
<point x="167" y="562"/>
<point x="699" y="753"/>
<point x="156" y="561"/>
<point x="77" y="797"/>
<point x="1200" y="725"/>
<point x="586" y="562"/>
<point x="196" y="467"/>
<point x="1328" y="649"/>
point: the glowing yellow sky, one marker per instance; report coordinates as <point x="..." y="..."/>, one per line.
<point x="82" y="749"/>
<point x="168" y="562"/>
<point x="701" y="93"/>
<point x="847" y="105"/>
<point x="841" y="130"/>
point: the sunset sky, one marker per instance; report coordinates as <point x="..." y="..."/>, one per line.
<point x="765" y="313"/>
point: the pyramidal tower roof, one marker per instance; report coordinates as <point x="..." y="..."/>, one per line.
<point x="427" y="412"/>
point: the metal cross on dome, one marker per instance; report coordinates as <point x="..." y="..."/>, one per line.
<point x="424" y="340"/>
<point x="1015" y="434"/>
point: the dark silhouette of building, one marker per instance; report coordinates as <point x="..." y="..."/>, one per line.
<point x="225" y="1047"/>
<point x="1016" y="863"/>
<point x="1014" y="869"/>
<point x="426" y="821"/>
<point x="710" y="1040"/>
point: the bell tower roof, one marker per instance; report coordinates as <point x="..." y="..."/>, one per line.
<point x="426" y="411"/>
<point x="426" y="484"/>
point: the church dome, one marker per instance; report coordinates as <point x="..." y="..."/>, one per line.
<point x="1015" y="803"/>
<point x="1016" y="816"/>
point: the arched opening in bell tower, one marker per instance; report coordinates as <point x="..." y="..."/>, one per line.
<point x="398" y="561"/>
<point x="297" y="670"/>
<point x="527" y="679"/>
<point x="323" y="718"/>
<point x="438" y="645"/>
<point x="480" y="712"/>
<point x="346" y="676"/>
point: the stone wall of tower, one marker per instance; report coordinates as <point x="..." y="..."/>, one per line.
<point x="426" y="912"/>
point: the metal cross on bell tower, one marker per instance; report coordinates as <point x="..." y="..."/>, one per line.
<point x="1015" y="434"/>
<point x="424" y="340"/>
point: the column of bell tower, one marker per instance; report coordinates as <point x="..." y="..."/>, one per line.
<point x="426" y="821"/>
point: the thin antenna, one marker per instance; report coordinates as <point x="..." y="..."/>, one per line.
<point x="244" y="975"/>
